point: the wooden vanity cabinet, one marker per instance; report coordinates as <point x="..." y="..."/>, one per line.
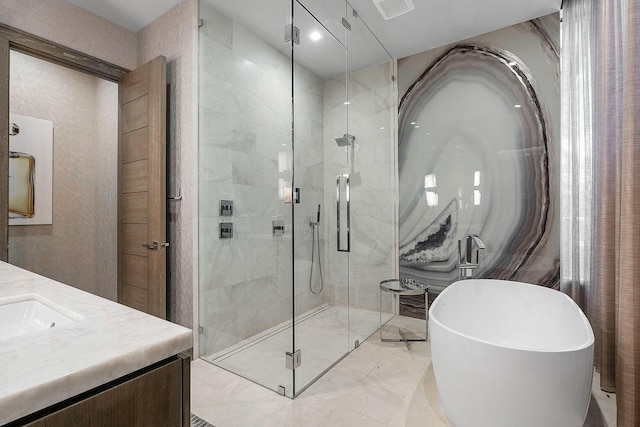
<point x="155" y="396"/>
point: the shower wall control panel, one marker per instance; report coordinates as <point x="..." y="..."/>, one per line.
<point x="278" y="227"/>
<point x="226" y="207"/>
<point x="226" y="230"/>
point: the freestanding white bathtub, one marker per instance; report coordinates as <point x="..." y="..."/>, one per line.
<point x="510" y="354"/>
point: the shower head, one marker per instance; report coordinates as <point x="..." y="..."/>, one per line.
<point x="345" y="140"/>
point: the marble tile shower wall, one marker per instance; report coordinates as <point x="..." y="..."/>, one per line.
<point x="373" y="183"/>
<point x="309" y="176"/>
<point x="245" y="156"/>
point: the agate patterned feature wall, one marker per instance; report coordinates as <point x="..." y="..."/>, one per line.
<point x="479" y="127"/>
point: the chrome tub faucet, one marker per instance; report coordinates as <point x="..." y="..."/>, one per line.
<point x="466" y="264"/>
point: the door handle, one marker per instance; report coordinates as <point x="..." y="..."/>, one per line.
<point x="343" y="217"/>
<point x="155" y="245"/>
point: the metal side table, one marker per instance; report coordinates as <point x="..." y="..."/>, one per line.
<point x="405" y="287"/>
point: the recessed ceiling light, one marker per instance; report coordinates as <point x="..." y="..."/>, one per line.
<point x="347" y="103"/>
<point x="315" y="36"/>
<point x="518" y="106"/>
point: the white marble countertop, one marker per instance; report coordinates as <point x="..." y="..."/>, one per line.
<point x="108" y="341"/>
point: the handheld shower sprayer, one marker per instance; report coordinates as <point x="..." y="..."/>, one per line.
<point x="315" y="245"/>
<point x="315" y="222"/>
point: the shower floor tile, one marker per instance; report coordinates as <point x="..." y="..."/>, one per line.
<point x="378" y="384"/>
<point x="322" y="335"/>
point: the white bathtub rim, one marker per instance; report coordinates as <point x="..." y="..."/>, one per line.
<point x="588" y="343"/>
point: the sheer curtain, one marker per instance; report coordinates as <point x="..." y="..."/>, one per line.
<point x="576" y="149"/>
<point x="611" y="295"/>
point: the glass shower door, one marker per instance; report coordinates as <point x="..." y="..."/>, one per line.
<point x="321" y="221"/>
<point x="245" y="168"/>
<point x="373" y="176"/>
<point x="296" y="211"/>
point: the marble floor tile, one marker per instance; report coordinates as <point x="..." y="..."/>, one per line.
<point x="378" y="384"/>
<point x="602" y="410"/>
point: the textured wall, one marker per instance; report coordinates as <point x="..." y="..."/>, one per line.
<point x="478" y="153"/>
<point x="173" y="35"/>
<point x="67" y="24"/>
<point x="79" y="248"/>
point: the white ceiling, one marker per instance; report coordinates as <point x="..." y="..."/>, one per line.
<point x="131" y="14"/>
<point x="433" y="23"/>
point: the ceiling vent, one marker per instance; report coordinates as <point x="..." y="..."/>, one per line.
<point x="390" y="9"/>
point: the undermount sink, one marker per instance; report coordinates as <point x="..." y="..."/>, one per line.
<point x="25" y="314"/>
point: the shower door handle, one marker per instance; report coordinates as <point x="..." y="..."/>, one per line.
<point x="343" y="213"/>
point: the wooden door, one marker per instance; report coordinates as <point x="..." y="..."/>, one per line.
<point x="142" y="247"/>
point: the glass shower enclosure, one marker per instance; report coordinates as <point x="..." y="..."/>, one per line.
<point x="297" y="184"/>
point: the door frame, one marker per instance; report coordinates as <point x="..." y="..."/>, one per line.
<point x="38" y="47"/>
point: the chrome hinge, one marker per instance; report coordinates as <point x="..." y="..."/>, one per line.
<point x="281" y="390"/>
<point x="200" y="330"/>
<point x="176" y="197"/>
<point x="291" y="32"/>
<point x="293" y="360"/>
<point x="357" y="344"/>
<point x="346" y="24"/>
<point x="296" y="195"/>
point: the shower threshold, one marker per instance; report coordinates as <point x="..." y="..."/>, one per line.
<point x="258" y="338"/>
<point x="324" y="335"/>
